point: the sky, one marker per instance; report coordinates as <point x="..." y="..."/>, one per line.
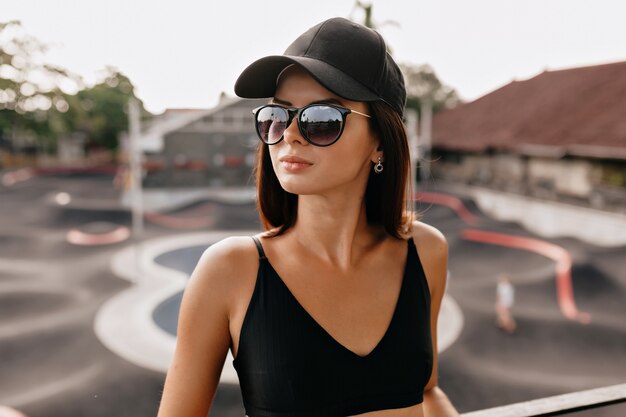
<point x="184" y="53"/>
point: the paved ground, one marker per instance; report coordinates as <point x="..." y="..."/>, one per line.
<point x="52" y="363"/>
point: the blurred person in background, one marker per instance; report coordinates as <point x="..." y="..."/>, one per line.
<point x="505" y="297"/>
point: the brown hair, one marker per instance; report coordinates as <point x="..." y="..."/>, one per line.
<point x="388" y="196"/>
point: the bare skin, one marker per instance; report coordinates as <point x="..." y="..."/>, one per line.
<point x="344" y="272"/>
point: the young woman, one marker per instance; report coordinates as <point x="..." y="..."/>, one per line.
<point x="332" y="311"/>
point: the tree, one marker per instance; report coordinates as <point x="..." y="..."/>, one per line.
<point x="29" y="89"/>
<point x="423" y="85"/>
<point x="40" y="102"/>
<point x="426" y="95"/>
<point x="104" y="109"/>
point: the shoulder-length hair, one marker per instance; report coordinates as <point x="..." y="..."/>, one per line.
<point x="388" y="196"/>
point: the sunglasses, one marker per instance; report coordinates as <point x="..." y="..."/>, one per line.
<point x="319" y="124"/>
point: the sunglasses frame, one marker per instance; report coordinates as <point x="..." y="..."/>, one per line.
<point x="297" y="112"/>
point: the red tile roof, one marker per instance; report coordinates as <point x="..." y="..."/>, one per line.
<point x="579" y="111"/>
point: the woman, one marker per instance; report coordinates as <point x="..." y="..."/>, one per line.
<point x="332" y="311"/>
<point x="505" y="297"/>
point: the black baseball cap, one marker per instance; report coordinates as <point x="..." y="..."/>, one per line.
<point x="349" y="59"/>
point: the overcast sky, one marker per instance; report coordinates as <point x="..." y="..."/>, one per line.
<point x="183" y="53"/>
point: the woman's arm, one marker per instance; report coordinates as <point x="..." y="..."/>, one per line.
<point x="437" y="404"/>
<point x="433" y="251"/>
<point x="203" y="335"/>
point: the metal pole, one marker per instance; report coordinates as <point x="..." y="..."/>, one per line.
<point x="136" y="191"/>
<point x="425" y="135"/>
<point x="411" y="126"/>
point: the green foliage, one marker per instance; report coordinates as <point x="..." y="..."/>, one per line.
<point x="28" y="87"/>
<point x="423" y="84"/>
<point x="104" y="109"/>
<point x="40" y="102"/>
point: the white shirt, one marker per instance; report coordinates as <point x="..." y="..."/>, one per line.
<point x="506" y="293"/>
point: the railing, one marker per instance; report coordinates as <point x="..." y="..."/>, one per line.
<point x="607" y="401"/>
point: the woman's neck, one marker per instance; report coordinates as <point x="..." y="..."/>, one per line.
<point x="334" y="228"/>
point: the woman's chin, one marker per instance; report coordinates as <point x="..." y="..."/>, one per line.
<point x="297" y="189"/>
<point x="299" y="186"/>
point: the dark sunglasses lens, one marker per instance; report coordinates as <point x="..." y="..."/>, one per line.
<point x="322" y="125"/>
<point x="271" y="122"/>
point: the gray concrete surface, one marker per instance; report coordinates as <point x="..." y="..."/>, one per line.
<point x="52" y="363"/>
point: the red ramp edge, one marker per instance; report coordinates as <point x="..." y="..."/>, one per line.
<point x="81" y="238"/>
<point x="178" y="222"/>
<point x="454" y="203"/>
<point x="565" y="291"/>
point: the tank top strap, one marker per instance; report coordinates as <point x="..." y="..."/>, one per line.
<point x="259" y="247"/>
<point x="415" y="262"/>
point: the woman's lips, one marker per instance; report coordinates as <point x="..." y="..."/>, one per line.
<point x="294" y="163"/>
<point x="294" y="166"/>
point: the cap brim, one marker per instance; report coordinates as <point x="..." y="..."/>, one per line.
<point x="259" y="79"/>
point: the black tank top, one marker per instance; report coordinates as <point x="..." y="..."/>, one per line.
<point x="289" y="366"/>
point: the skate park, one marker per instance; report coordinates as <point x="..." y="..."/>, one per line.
<point x="82" y="338"/>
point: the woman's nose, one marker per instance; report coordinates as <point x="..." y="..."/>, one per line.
<point x="292" y="134"/>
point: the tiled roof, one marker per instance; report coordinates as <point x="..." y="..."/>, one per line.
<point x="579" y="111"/>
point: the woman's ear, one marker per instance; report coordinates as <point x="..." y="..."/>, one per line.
<point x="378" y="152"/>
<point x="378" y="156"/>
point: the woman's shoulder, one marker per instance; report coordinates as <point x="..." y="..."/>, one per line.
<point x="432" y="249"/>
<point x="424" y="235"/>
<point x="223" y="252"/>
<point x="226" y="265"/>
<point x="429" y="236"/>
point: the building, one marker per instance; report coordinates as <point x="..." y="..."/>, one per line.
<point x="559" y="135"/>
<point x="191" y="148"/>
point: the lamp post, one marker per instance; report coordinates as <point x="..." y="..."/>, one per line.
<point x="425" y="139"/>
<point x="414" y="151"/>
<point x="136" y="192"/>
